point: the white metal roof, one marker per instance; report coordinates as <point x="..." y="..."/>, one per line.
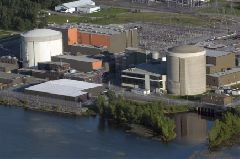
<point x="66" y="87"/>
<point x="41" y="33"/>
<point x="78" y="3"/>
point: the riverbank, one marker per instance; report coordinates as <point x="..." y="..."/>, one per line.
<point x="225" y="132"/>
<point x="58" y="109"/>
<point x="153" y="115"/>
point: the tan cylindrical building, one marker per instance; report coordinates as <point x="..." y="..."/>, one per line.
<point x="186" y="70"/>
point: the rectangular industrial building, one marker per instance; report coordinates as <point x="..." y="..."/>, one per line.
<point x="114" y="39"/>
<point x="80" y="49"/>
<point x="145" y="76"/>
<point x="66" y="89"/>
<point x="227" y="77"/>
<point x="79" y="63"/>
<point x="218" y="61"/>
<point x="129" y="58"/>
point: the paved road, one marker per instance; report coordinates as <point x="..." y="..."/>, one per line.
<point x="152" y="97"/>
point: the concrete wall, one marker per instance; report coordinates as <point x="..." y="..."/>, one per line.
<point x="220" y="63"/>
<point x="186" y="75"/>
<point x="173" y="75"/>
<point x="118" y="43"/>
<point x="77" y="50"/>
<point x="77" y="99"/>
<point x="218" y="100"/>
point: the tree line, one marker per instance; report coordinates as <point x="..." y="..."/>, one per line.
<point x="25" y="14"/>
<point x="151" y="115"/>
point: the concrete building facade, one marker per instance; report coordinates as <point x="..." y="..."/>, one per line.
<point x="218" y="61"/>
<point x="227" y="77"/>
<point x="186" y="70"/>
<point x="113" y="39"/>
<point x="145" y="76"/>
<point x="79" y="63"/>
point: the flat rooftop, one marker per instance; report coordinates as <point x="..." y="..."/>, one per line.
<point x="64" y="87"/>
<point x="81" y="75"/>
<point x="93" y="28"/>
<point x="227" y="72"/>
<point x="216" y="53"/>
<point x="154" y="69"/>
<point x="54" y="63"/>
<point x="78" y="58"/>
<point x="88" y="46"/>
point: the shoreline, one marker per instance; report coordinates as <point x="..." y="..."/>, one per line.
<point x="13" y="102"/>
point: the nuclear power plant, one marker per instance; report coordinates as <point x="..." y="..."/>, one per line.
<point x="39" y="45"/>
<point x="186" y="70"/>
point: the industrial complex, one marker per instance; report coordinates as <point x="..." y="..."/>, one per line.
<point x="78" y="61"/>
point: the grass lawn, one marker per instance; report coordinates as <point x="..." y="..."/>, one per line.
<point x="118" y="16"/>
<point x="61" y="19"/>
<point x="4" y="34"/>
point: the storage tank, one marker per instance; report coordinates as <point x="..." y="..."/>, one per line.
<point x="39" y="45"/>
<point x="186" y="70"/>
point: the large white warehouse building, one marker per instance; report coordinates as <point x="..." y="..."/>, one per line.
<point x="86" y="6"/>
<point x="186" y="70"/>
<point x="39" y="45"/>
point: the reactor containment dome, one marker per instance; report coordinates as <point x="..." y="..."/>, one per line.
<point x="39" y="45"/>
<point x="186" y="70"/>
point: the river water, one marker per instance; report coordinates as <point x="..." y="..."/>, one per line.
<point x="28" y="134"/>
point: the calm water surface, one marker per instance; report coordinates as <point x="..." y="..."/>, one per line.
<point x="27" y="134"/>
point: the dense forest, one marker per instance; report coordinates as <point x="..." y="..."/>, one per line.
<point x="25" y="14"/>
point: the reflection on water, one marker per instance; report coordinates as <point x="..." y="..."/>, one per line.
<point x="27" y="134"/>
<point x="191" y="128"/>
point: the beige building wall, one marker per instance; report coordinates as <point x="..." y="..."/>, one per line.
<point x="228" y="79"/>
<point x="193" y="80"/>
<point x="220" y="63"/>
<point x="186" y="73"/>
